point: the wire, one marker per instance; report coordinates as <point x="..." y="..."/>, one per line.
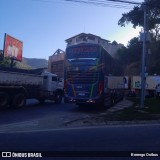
<point x="125" y="4"/>
<point x="117" y="3"/>
<point x="124" y="1"/>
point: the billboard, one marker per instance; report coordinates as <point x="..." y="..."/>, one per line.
<point x="12" y="48"/>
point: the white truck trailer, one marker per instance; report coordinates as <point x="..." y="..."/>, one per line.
<point x="120" y="82"/>
<point x="16" y="87"/>
<point x="151" y="83"/>
<point x="116" y="85"/>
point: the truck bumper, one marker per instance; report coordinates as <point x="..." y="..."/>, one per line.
<point x="95" y="101"/>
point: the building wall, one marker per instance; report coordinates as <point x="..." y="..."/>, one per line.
<point x="57" y="67"/>
<point x="89" y="38"/>
<point x="56" y="63"/>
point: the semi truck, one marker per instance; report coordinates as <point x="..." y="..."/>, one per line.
<point x="16" y="88"/>
<point x="88" y="76"/>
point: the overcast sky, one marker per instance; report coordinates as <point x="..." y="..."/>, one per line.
<point x="44" y="25"/>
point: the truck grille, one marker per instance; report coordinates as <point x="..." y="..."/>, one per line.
<point x="76" y="77"/>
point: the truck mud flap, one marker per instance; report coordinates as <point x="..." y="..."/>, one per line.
<point x="58" y="97"/>
<point x="4" y="100"/>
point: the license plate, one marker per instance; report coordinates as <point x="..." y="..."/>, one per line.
<point x="81" y="94"/>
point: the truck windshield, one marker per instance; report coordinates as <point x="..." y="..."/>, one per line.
<point x="82" y="52"/>
<point x="82" y="64"/>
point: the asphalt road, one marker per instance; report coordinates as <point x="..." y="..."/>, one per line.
<point x="50" y="116"/>
<point x="46" y="116"/>
<point x="132" y="138"/>
<point x="33" y="110"/>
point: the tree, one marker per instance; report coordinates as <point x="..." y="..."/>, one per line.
<point x="136" y="17"/>
<point x="5" y="61"/>
<point x="131" y="53"/>
<point x="130" y="57"/>
<point x="153" y="59"/>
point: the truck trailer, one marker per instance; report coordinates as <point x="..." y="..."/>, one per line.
<point x="151" y="83"/>
<point x="16" y="87"/>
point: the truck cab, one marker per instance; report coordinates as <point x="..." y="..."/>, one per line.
<point x="50" y="82"/>
<point x="52" y="87"/>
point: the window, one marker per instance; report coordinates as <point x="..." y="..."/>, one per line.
<point x="78" y="39"/>
<point x="91" y="38"/>
<point x="45" y="77"/>
<point x="54" y="78"/>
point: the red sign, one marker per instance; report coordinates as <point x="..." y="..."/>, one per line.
<point x="13" y="48"/>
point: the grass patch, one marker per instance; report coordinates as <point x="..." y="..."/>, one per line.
<point x="151" y="111"/>
<point x="153" y="105"/>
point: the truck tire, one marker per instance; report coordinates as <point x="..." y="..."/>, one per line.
<point x="4" y="100"/>
<point x="58" y="97"/>
<point x="19" y="100"/>
<point x="41" y="100"/>
<point x="81" y="106"/>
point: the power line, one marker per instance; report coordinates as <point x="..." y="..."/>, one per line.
<point x="121" y="1"/>
<point x="125" y="4"/>
<point x="106" y="3"/>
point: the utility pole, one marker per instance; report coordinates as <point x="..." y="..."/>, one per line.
<point x="143" y="75"/>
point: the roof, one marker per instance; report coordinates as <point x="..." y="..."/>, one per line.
<point x="86" y="34"/>
<point x="58" y="51"/>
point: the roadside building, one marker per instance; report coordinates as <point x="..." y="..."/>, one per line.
<point x="56" y="63"/>
<point x="90" y="38"/>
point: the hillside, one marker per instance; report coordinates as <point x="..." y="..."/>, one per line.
<point x="36" y="62"/>
<point x="32" y="63"/>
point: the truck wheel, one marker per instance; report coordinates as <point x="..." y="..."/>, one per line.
<point x="4" y="100"/>
<point x="41" y="100"/>
<point x="19" y="100"/>
<point x="58" y="97"/>
<point x="81" y="106"/>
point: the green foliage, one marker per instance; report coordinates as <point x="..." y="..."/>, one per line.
<point x="136" y="17"/>
<point x="136" y="113"/>
<point x="153" y="59"/>
<point x="5" y="61"/>
<point x="27" y="63"/>
<point x="130" y="57"/>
